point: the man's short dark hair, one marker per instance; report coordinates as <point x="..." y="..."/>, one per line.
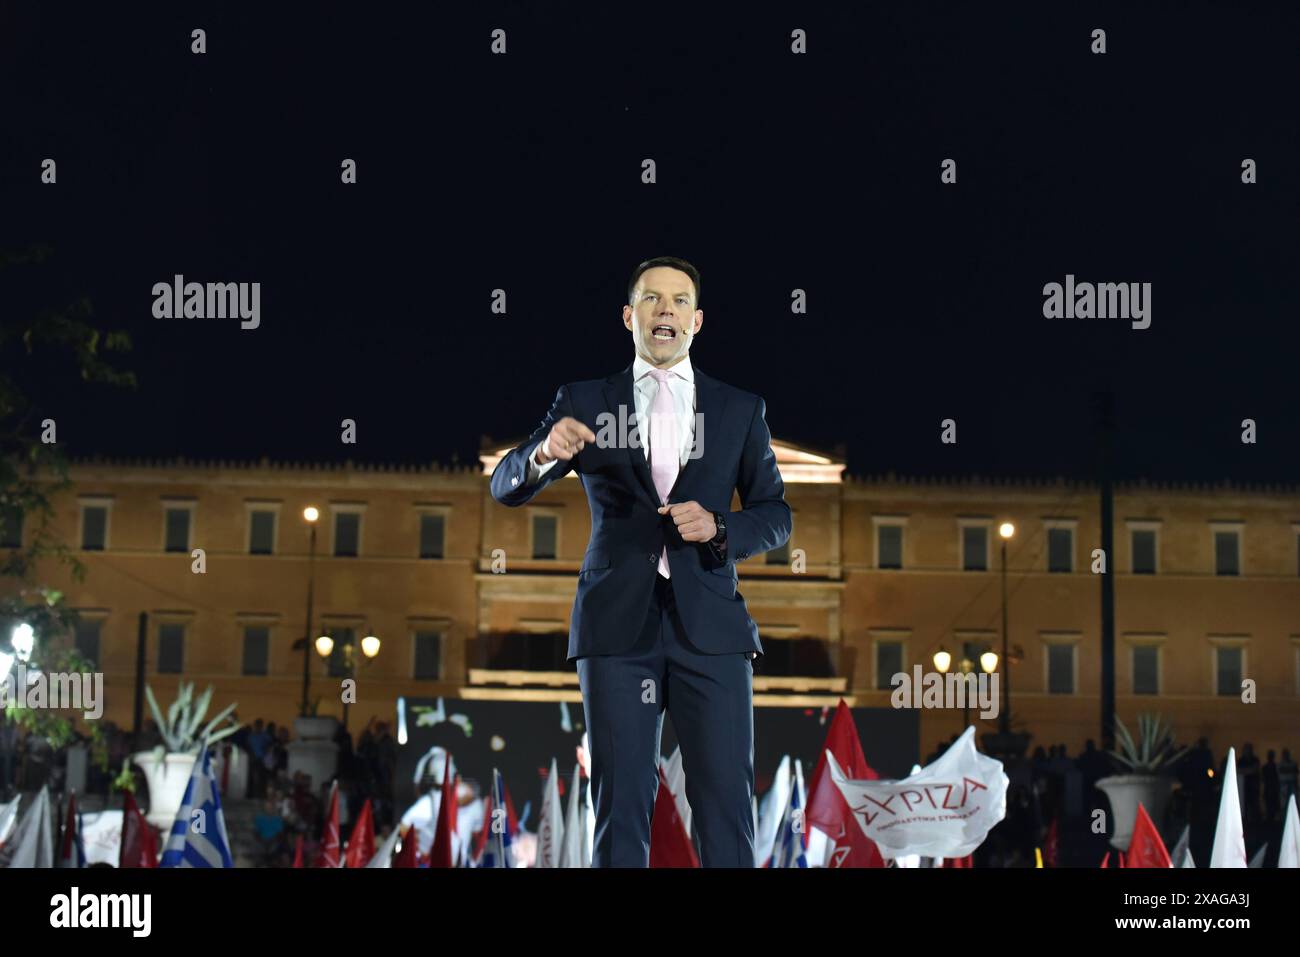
<point x="671" y="262"/>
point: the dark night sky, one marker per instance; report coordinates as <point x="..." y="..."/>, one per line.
<point x="775" y="172"/>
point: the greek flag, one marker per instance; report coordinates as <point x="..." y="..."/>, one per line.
<point x="792" y="840"/>
<point x="198" y="837"/>
<point x="499" y="851"/>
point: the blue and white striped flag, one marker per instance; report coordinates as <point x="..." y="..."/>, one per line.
<point x="198" y="837"/>
<point x="499" y="851"/>
<point x="792" y="839"/>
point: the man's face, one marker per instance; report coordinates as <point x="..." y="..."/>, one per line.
<point x="663" y="318"/>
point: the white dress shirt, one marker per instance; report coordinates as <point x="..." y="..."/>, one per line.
<point x="681" y="382"/>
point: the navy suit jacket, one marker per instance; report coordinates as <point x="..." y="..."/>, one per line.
<point x="618" y="573"/>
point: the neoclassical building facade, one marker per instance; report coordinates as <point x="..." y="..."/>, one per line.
<point x="472" y="599"/>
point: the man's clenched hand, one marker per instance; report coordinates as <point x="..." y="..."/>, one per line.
<point x="694" y="522"/>
<point x="566" y="439"/>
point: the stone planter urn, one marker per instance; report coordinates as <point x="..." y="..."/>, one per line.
<point x="1125" y="791"/>
<point x="167" y="779"/>
<point x="314" y="751"/>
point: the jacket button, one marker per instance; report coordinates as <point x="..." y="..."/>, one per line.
<point x="653" y="557"/>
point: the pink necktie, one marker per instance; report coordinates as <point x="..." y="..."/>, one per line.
<point x="664" y="448"/>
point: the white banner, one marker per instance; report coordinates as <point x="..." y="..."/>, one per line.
<point x="944" y="810"/>
<point x="101" y="833"/>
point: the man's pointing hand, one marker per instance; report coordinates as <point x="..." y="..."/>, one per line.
<point x="566" y="439"/>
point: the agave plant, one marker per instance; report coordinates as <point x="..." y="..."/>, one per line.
<point x="1153" y="752"/>
<point x="180" y="729"/>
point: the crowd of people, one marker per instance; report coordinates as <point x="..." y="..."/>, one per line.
<point x="293" y="805"/>
<point x="1052" y="797"/>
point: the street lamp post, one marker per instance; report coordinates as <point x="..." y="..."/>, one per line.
<point x="309" y="514"/>
<point x="1006" y="530"/>
<point x="369" y="648"/>
<point x="988" y="663"/>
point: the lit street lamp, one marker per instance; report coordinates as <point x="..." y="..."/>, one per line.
<point x="369" y="648"/>
<point x="310" y="514"/>
<point x="1006" y="530"/>
<point x="988" y="663"/>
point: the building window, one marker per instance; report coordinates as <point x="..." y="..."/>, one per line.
<point x="889" y="545"/>
<point x="1060" y="549"/>
<point x="1146" y="669"/>
<point x="87" y="640"/>
<point x="257" y="650"/>
<point x="1229" y="663"/>
<point x="975" y="548"/>
<point x="94" y="528"/>
<point x="428" y="655"/>
<point x="1060" y="668"/>
<point x="1144" y="551"/>
<point x="171" y="649"/>
<point x="432" y="533"/>
<point x="889" y="662"/>
<point x="1227" y="552"/>
<point x="545" y="533"/>
<point x="347" y="534"/>
<point x="338" y="657"/>
<point x="261" y="531"/>
<point x="11" y="527"/>
<point x="177" y="529"/>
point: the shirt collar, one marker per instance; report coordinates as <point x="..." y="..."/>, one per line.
<point x="640" y="368"/>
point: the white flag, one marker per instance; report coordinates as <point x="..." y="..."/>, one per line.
<point x="550" y="827"/>
<point x="771" y="811"/>
<point x="1289" y="854"/>
<point x="1181" y="856"/>
<point x="9" y="818"/>
<point x="676" y="777"/>
<point x="384" y="856"/>
<point x="575" y="851"/>
<point x="944" y="810"/>
<point x="1229" y="841"/>
<point x="33" y="840"/>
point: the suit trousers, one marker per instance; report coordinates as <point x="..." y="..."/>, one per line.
<point x="711" y="699"/>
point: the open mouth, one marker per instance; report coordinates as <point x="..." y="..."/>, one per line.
<point x="664" y="333"/>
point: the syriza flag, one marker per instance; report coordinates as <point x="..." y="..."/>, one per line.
<point x="944" y="810"/>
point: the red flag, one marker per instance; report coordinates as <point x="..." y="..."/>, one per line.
<point x="670" y="845"/>
<point x="408" y="855"/>
<point x="1146" y="849"/>
<point x="361" y="845"/>
<point x="72" y="854"/>
<point x="441" y="854"/>
<point x="329" y="842"/>
<point x="297" y="852"/>
<point x="960" y="863"/>
<point x="139" y="845"/>
<point x="827" y="808"/>
<point x="1051" y="845"/>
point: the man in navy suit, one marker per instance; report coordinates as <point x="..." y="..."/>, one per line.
<point x="658" y="623"/>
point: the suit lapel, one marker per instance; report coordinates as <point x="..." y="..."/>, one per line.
<point x="710" y="401"/>
<point x="618" y="392"/>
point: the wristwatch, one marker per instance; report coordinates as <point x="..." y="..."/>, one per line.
<point x="719" y="540"/>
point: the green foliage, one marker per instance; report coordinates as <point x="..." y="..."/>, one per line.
<point x="1153" y="751"/>
<point x="180" y="728"/>
<point x="35" y="351"/>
